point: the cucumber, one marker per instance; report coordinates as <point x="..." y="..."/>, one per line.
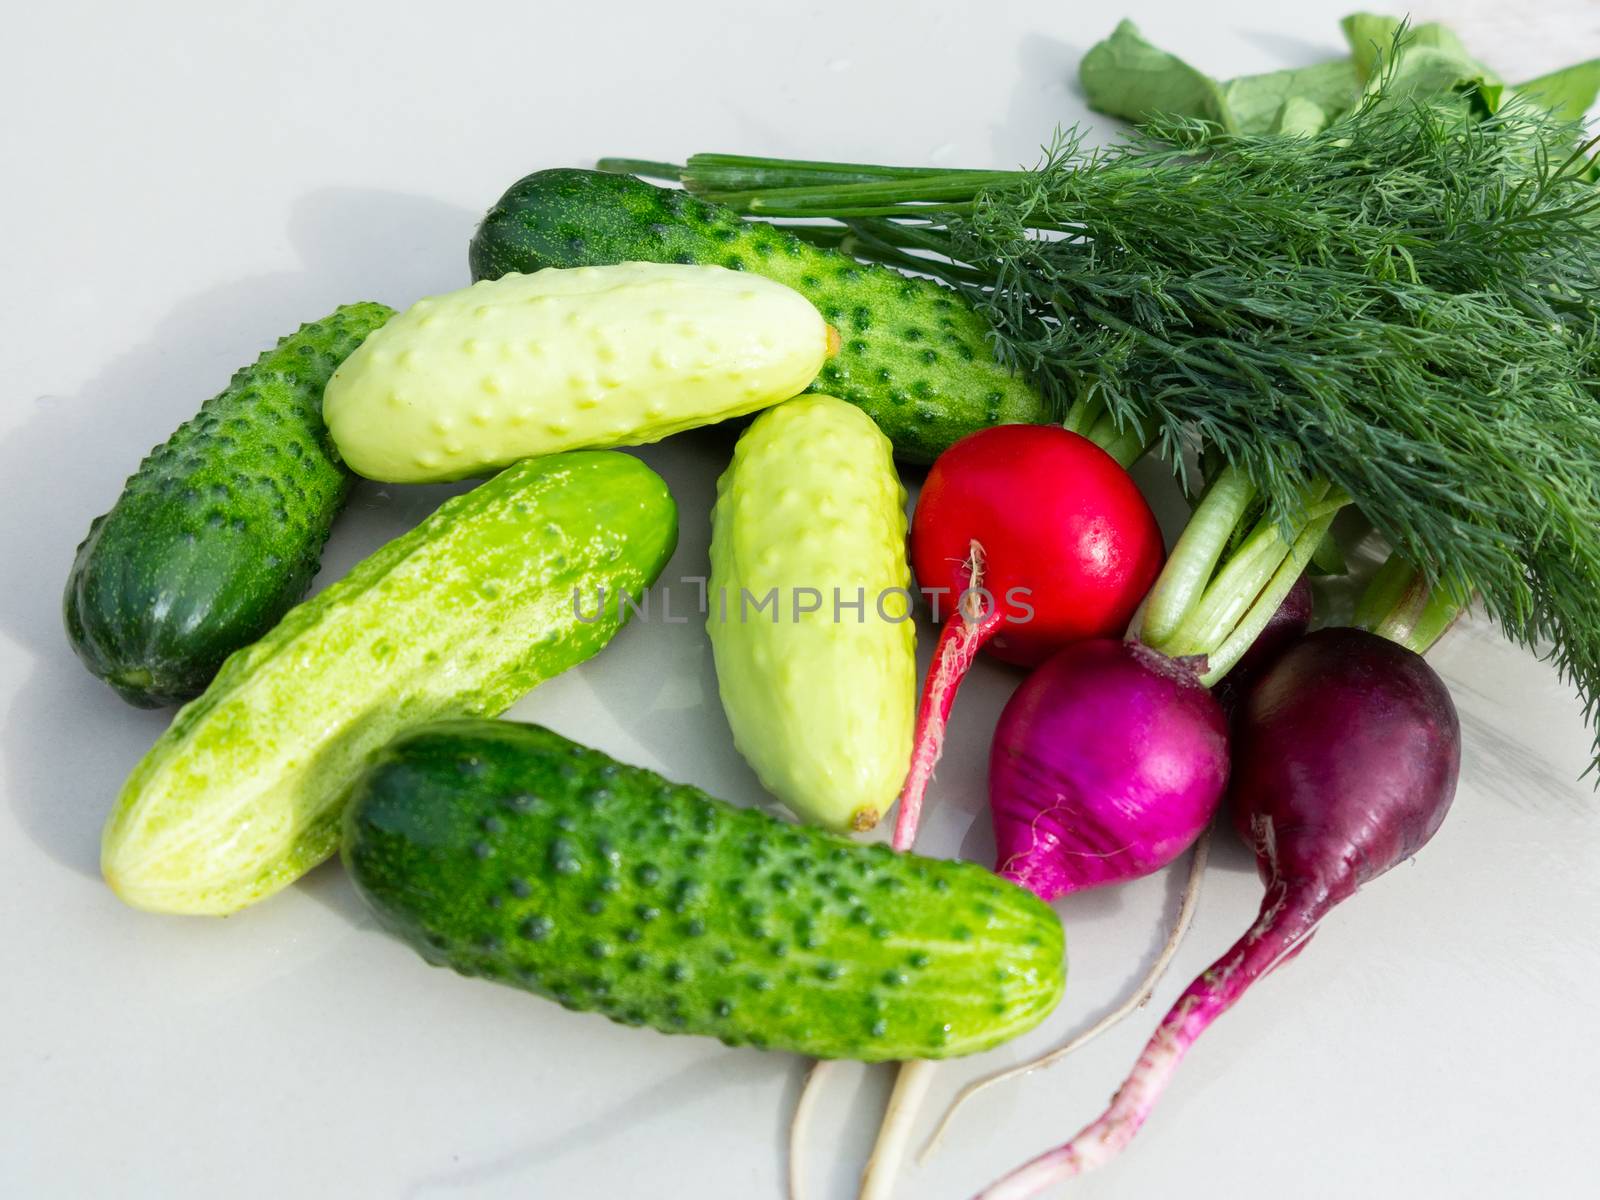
<point x="221" y="528"/>
<point x="914" y="356"/>
<point x="558" y="360"/>
<point x="509" y="853"/>
<point x="462" y="615"/>
<point x="821" y="703"/>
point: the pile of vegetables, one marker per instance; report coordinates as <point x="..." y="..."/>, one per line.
<point x="1363" y="290"/>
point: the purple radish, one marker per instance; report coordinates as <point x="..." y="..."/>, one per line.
<point x="1107" y="764"/>
<point x="1285" y="627"/>
<point x="1345" y="763"/>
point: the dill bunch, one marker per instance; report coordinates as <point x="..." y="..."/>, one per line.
<point x="1403" y="305"/>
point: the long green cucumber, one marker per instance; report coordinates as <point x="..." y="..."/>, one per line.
<point x="221" y="528"/>
<point x="913" y="354"/>
<point x="492" y="594"/>
<point x="507" y="852"/>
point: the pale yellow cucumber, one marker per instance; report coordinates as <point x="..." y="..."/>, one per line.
<point x="821" y="702"/>
<point x="524" y="365"/>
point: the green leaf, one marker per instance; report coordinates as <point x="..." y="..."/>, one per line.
<point x="1318" y="93"/>
<point x="1299" y="117"/>
<point x="1568" y="93"/>
<point x="1370" y="37"/>
<point x="1432" y="73"/>
<point x="1125" y="76"/>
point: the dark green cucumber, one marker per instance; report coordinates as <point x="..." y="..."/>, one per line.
<point x="913" y="354"/>
<point x="221" y="528"/>
<point x="508" y="852"/>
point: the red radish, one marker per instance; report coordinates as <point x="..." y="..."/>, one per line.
<point x="1345" y="764"/>
<point x="1107" y="764"/>
<point x="1038" y="538"/>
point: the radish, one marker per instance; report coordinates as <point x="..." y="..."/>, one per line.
<point x="1286" y="626"/>
<point x="1039" y="538"/>
<point x="1107" y="764"/>
<point x="1345" y="764"/>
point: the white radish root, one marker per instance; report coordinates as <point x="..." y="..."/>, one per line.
<point x="1136" y="999"/>
<point x="800" y="1125"/>
<point x="894" y="1135"/>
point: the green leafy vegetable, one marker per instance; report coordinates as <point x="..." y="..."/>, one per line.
<point x="1126" y="76"/>
<point x="1569" y="92"/>
<point x="1371" y="35"/>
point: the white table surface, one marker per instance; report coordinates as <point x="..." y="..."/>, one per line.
<point x="184" y="182"/>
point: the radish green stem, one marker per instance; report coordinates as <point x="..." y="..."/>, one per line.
<point x="1242" y="577"/>
<point x="1194" y="558"/>
<point x="1222" y="660"/>
<point x="910" y="1088"/>
<point x="1399" y="604"/>
<point x="1088" y="418"/>
<point x="1287" y="919"/>
<point x="1136" y="999"/>
<point x="1127" y="446"/>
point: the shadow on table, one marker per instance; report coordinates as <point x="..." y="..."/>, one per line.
<point x="677" y="1091"/>
<point x="68" y="740"/>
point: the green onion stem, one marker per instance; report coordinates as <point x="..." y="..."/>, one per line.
<point x="648" y="168"/>
<point x="740" y="172"/>
<point x="893" y="195"/>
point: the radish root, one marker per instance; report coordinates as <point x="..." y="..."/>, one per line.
<point x="1136" y="999"/>
<point x="963" y="635"/>
<point x="894" y="1135"/>
<point x="1287" y="919"/>
<point x="800" y="1125"/>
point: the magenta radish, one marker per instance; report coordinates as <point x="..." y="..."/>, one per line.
<point x="1107" y="764"/>
<point x="1035" y="538"/>
<point x="1345" y="764"/>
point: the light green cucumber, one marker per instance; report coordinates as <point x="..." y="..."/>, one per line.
<point x="914" y="354"/>
<point x="506" y="852"/>
<point x="821" y="702"/>
<point x="461" y="616"/>
<point x="557" y="360"/>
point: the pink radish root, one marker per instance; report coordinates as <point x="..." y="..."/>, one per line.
<point x="964" y="633"/>
<point x="1287" y="919"/>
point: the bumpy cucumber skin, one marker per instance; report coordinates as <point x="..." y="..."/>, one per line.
<point x="620" y="355"/>
<point x="510" y="853"/>
<point x="821" y="704"/>
<point x="492" y="594"/>
<point x="914" y="356"/>
<point x="221" y="528"/>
